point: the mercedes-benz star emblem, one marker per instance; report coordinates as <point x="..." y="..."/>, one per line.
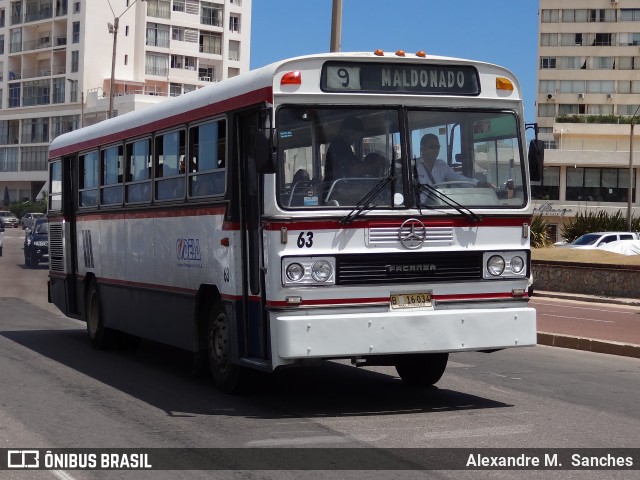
<point x="416" y="235"/>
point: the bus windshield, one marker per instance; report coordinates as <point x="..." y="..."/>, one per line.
<point x="339" y="158"/>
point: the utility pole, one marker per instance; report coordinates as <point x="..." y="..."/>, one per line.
<point x="631" y="179"/>
<point x="336" y="26"/>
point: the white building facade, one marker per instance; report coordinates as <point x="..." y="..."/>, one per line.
<point x="588" y="90"/>
<point x="57" y="59"/>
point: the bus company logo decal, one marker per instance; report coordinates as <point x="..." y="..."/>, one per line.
<point x="188" y="252"/>
<point x="412" y="233"/>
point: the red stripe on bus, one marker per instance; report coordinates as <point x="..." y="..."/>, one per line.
<point x="257" y="96"/>
<point x="381" y="223"/>
<point x="360" y="301"/>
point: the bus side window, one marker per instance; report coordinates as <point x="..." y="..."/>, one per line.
<point x="207" y="147"/>
<point x="138" y="171"/>
<point x="89" y="179"/>
<point x="170" y="147"/>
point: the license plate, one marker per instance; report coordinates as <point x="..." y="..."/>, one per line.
<point x="410" y="300"/>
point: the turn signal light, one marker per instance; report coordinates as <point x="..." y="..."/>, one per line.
<point x="291" y="78"/>
<point x="503" y="83"/>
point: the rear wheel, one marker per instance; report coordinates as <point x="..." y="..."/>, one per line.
<point x="229" y="377"/>
<point x="422" y="369"/>
<point x="100" y="336"/>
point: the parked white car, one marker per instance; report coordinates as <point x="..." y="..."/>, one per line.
<point x="600" y="239"/>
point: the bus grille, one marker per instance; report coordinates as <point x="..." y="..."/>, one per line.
<point x="56" y="248"/>
<point x="436" y="267"/>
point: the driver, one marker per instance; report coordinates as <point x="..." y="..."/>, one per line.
<point x="431" y="170"/>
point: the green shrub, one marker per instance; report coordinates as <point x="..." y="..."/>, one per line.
<point x="539" y="232"/>
<point x="19" y="209"/>
<point x="598" y="221"/>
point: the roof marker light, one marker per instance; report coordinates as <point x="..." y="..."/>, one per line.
<point x="400" y="53"/>
<point x="379" y="53"/>
<point x="503" y="83"/>
<point x="291" y="78"/>
<point x="421" y="54"/>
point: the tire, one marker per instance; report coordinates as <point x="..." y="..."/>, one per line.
<point x="230" y="378"/>
<point x="422" y="370"/>
<point x="101" y="337"/>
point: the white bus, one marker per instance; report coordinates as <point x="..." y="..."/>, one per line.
<point x="223" y="221"/>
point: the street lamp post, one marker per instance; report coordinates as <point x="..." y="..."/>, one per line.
<point x="75" y="84"/>
<point x="113" y="28"/>
<point x="336" y="26"/>
<point x="629" y="192"/>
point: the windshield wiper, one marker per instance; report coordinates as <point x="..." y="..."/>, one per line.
<point x="365" y="201"/>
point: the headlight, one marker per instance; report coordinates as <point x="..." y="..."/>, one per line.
<point x="321" y="271"/>
<point x="517" y="264"/>
<point x="505" y="264"/>
<point x="295" y="272"/>
<point x="303" y="271"/>
<point x="495" y="265"/>
<point x="28" y="240"/>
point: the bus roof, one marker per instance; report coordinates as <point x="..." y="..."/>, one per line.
<point x="254" y="87"/>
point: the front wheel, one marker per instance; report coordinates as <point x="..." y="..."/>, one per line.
<point x="228" y="376"/>
<point x="100" y="336"/>
<point x="422" y="369"/>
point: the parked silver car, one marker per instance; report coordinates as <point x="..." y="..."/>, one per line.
<point x="9" y="219"/>
<point x="28" y="219"/>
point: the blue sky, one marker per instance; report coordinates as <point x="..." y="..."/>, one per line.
<point x="497" y="31"/>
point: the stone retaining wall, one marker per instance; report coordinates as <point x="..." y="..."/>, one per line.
<point x="588" y="279"/>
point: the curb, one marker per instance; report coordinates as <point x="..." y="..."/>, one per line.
<point x="589" y="345"/>
<point x="631" y="302"/>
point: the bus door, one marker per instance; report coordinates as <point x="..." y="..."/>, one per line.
<point x="253" y="330"/>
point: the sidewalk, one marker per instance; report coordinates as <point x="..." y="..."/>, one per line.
<point x="597" y="345"/>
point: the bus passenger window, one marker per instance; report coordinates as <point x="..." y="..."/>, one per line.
<point x="88" y="181"/>
<point x="138" y="171"/>
<point x="207" y="147"/>
<point x="170" y="147"/>
<point x="112" y="166"/>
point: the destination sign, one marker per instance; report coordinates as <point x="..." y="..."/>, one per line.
<point x="345" y="77"/>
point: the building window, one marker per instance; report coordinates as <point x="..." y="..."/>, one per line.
<point x="234" y="23"/>
<point x="34" y="159"/>
<point x="628" y="109"/>
<point x="547" y="62"/>
<point x="175" y="89"/>
<point x="156" y="64"/>
<point x="598" y="184"/>
<point x="547" y="86"/>
<point x="35" y="130"/>
<point x="76" y="32"/>
<point x="546" y="110"/>
<point x="550" y="16"/>
<point x="126" y="59"/>
<point x="549" y="187"/>
<point x="602" y="39"/>
<point x="178" y="5"/>
<point x="158" y="35"/>
<point x="601" y="86"/>
<point x="75" y="60"/>
<point x="210" y="15"/>
<point x="76" y="7"/>
<point x="177" y="33"/>
<point x="572" y="86"/>
<point x="571" y="15"/>
<point x="1" y="44"/>
<point x="14" y="95"/>
<point x="630" y="14"/>
<point x="548" y="39"/>
<point x="602" y="63"/>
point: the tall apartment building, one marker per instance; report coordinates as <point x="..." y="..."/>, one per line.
<point x="588" y="87"/>
<point x="57" y="59"/>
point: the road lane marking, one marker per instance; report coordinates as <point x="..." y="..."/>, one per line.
<point x="577" y="318"/>
<point x="62" y="475"/>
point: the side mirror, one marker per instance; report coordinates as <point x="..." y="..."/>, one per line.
<point x="266" y="147"/>
<point x="536" y="160"/>
<point x="27" y="231"/>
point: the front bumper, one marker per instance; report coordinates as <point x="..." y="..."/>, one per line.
<point x="342" y="334"/>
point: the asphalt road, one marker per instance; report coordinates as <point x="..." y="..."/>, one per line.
<point x="56" y="391"/>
